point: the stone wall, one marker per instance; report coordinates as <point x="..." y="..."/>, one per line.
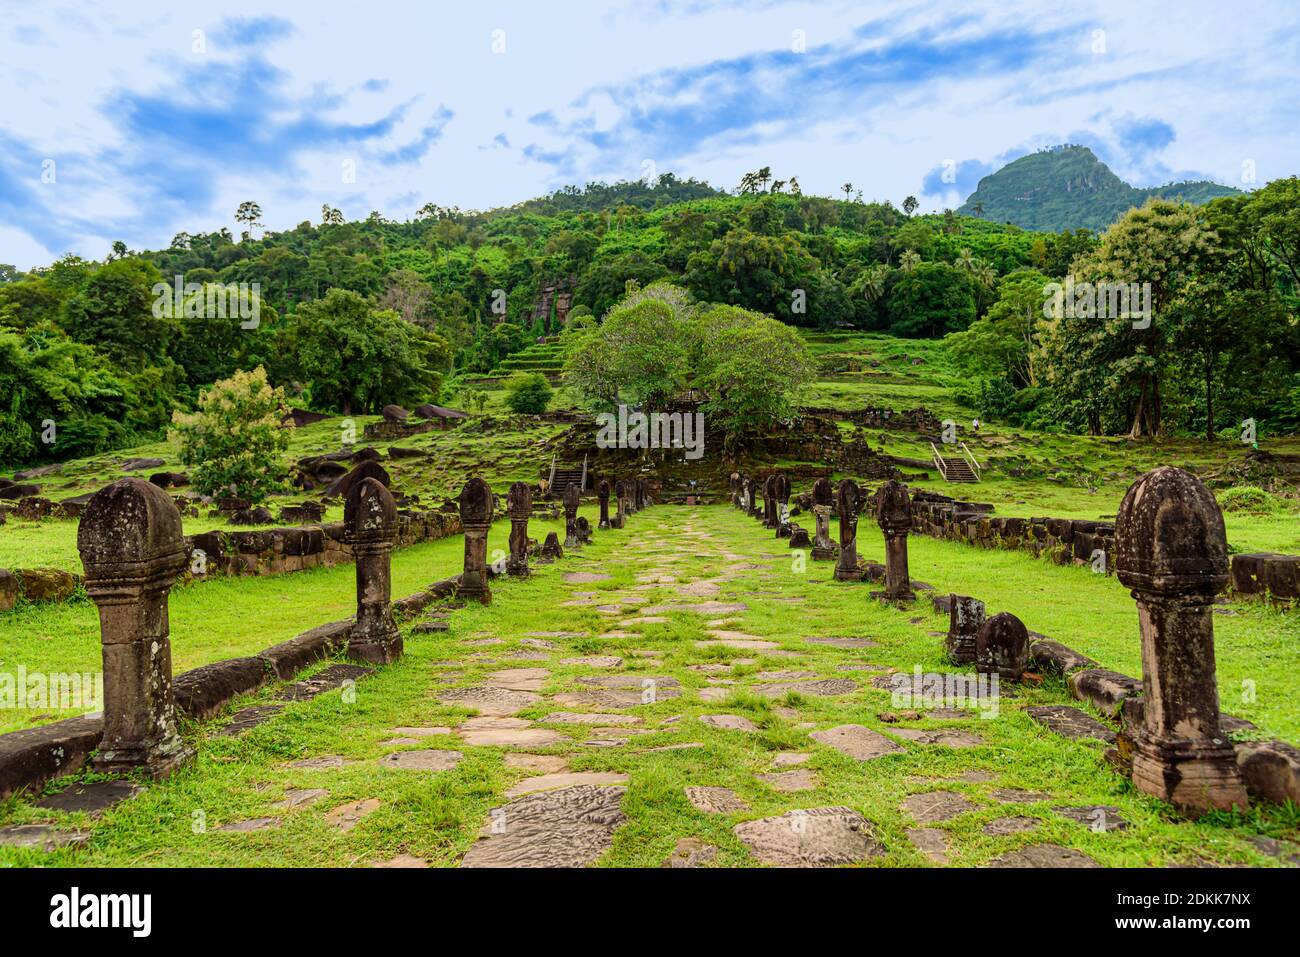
<point x="1066" y="541"/>
<point x="1272" y="576"/>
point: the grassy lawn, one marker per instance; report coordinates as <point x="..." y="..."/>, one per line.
<point x="436" y="816"/>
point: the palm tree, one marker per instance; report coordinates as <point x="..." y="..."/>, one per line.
<point x="873" y="282"/>
<point x="848" y="190"/>
<point x="910" y="204"/>
<point x="978" y="208"/>
<point x="966" y="262"/>
<point x="764" y="175"/>
<point x="909" y="260"/>
<point x="794" y="186"/>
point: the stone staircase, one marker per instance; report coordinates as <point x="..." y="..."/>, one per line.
<point x="955" y="468"/>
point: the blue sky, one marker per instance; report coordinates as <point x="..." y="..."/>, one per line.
<point x="135" y="121"/>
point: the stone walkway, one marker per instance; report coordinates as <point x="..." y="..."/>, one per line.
<point x="674" y="694"/>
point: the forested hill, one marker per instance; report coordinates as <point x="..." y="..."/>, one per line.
<point x="1068" y="187"/>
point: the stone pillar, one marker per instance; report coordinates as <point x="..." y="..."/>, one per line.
<point x="642" y="494"/>
<point x="965" y="617"/>
<point x="1171" y="551"/>
<point x="751" y="498"/>
<point x="769" y="502"/>
<point x="734" y="484"/>
<point x="571" y="499"/>
<point x="781" y="488"/>
<point x="1002" y="647"/>
<point x="551" y="549"/>
<point x="823" y="548"/>
<point x="620" y="504"/>
<point x="519" y="506"/>
<point x="894" y="516"/>
<point x="602" y="494"/>
<point x="476" y="506"/>
<point x="847" y="498"/>
<point x="132" y="549"/>
<point x="370" y="527"/>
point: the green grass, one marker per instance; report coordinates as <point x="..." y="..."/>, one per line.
<point x="438" y="816"/>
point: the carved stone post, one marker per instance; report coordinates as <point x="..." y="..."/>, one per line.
<point x="476" y="506"/>
<point x="370" y="527"/>
<point x="602" y="494"/>
<point x="132" y="549"/>
<point x="769" y="502"/>
<point x="1002" y="647"/>
<point x="823" y="548"/>
<point x="1171" y="550"/>
<point x="965" y="618"/>
<point x="751" y="498"/>
<point x="571" y="537"/>
<point x="894" y="516"/>
<point x="519" y="506"/>
<point x="847" y="498"/>
<point x="620" y="504"/>
<point x="733" y="483"/>
<point x="781" y="488"/>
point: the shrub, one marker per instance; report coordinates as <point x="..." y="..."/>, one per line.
<point x="234" y="441"/>
<point x="529" y="393"/>
<point x="1250" y="498"/>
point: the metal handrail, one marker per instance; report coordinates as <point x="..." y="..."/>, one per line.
<point x="939" y="462"/>
<point x="972" y="461"/>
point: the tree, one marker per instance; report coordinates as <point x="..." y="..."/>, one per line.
<point x="329" y="216"/>
<point x="751" y="367"/>
<point x="235" y="440"/>
<point x="115" y="312"/>
<point x="359" y="359"/>
<point x="930" y="299"/>
<point x="249" y="213"/>
<point x="910" y="204"/>
<point x="528" y="393"/>
<point x="848" y="190"/>
<point x="1004" y="344"/>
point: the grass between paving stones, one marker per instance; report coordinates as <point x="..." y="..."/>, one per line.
<point x="436" y="816"/>
<point x="225" y="617"/>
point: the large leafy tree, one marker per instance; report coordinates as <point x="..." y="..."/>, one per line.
<point x="358" y="358"/>
<point x="929" y="300"/>
<point x="114" y="311"/>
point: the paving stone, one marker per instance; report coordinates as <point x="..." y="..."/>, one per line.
<point x="691" y="852"/>
<point x="1070" y="723"/>
<point x="1004" y="826"/>
<point x="567" y="827"/>
<point x="1044" y="855"/>
<point x="45" y="837"/>
<point x="857" y="742"/>
<point x="946" y="737"/>
<point x="537" y="641"/>
<point x="785" y="675"/>
<point x="800" y="779"/>
<point x="731" y="722"/>
<point x="604" y="699"/>
<point x="298" y="797"/>
<point x="402" y="860"/>
<point x="844" y="642"/>
<point x="823" y="688"/>
<point x="490" y="701"/>
<point x="511" y="737"/>
<point x="429" y="760"/>
<point x="816" y="837"/>
<point x="585" y="578"/>
<point x="787" y="759"/>
<point x="326" y="762"/>
<point x="541" y="763"/>
<point x="716" y="800"/>
<point x="398" y="742"/>
<point x="253" y="824"/>
<point x="549" y="782"/>
<point x="1019" y="796"/>
<point x="90" y="798"/>
<point x="526" y="656"/>
<point x="745" y="644"/>
<point x="930" y="841"/>
<point x="1097" y="817"/>
<point x="518" y="679"/>
<point x="934" y="806"/>
<point x="593" y="717"/>
<point x="594" y="661"/>
<point x="699" y="608"/>
<point x="1272" y="847"/>
<point x="331" y="678"/>
<point x="247" y="718"/>
<point x="346" y="816"/>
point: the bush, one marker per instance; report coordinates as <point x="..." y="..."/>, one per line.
<point x="234" y="442"/>
<point x="1250" y="498"/>
<point x="529" y="394"/>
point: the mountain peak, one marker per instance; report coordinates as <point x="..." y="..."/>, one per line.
<point x="1069" y="187"/>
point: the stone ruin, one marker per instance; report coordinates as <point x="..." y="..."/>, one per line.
<point x="894" y="516"/>
<point x="1002" y="647"/>
<point x="781" y="491"/>
<point x="822" y="500"/>
<point x="370" y="517"/>
<point x="572" y="497"/>
<point x="602" y="495"/>
<point x="477" y="504"/>
<point x="1172" y="552"/>
<point x="519" y="506"/>
<point x="848" y="500"/>
<point x="132" y="548"/>
<point x="965" y="618"/>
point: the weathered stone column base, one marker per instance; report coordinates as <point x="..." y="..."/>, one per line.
<point x="517" y="569"/>
<point x="824" y="554"/>
<point x="157" y="760"/>
<point x="1194" y="778"/>
<point x="475" y="592"/>
<point x="379" y="649"/>
<point x="843" y="574"/>
<point x="900" y="599"/>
